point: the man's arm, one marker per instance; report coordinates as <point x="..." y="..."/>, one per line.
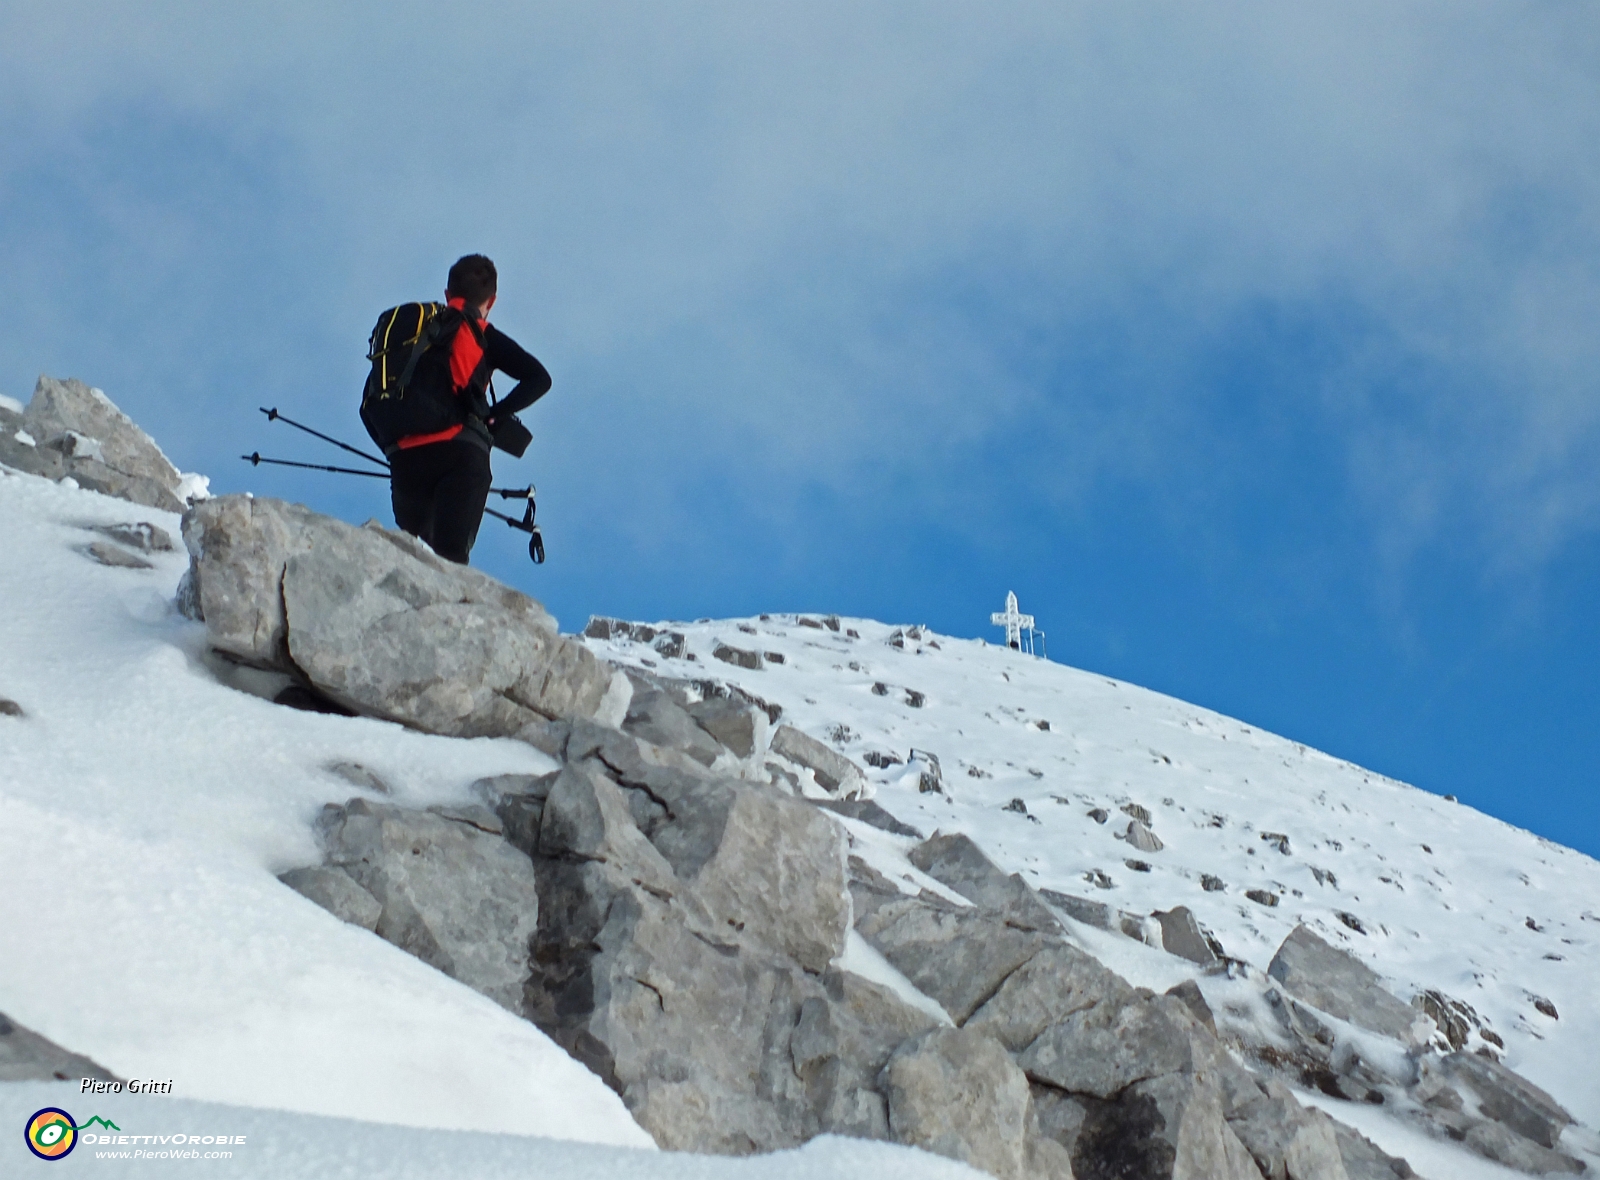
<point x="509" y="357"/>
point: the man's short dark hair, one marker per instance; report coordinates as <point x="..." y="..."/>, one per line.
<point x="473" y="278"/>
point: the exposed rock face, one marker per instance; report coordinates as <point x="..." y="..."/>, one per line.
<point x="958" y="1093"/>
<point x="337" y="892"/>
<point x="374" y="621"/>
<point x="25" y="1056"/>
<point x="1181" y="935"/>
<point x="1339" y="984"/>
<point x="454" y="896"/>
<point x="959" y="863"/>
<point x="76" y="431"/>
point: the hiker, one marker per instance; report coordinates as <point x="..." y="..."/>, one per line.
<point x="441" y="424"/>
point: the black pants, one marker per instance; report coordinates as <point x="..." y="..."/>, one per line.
<point x="438" y="491"/>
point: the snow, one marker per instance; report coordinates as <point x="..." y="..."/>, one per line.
<point x="146" y="807"/>
<point x="278" y="1146"/>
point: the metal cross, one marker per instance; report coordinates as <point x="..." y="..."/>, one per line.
<point x="1012" y="621"/>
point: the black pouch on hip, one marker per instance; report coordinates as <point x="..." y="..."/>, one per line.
<point x="511" y="436"/>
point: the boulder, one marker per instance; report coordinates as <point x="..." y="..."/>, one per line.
<point x="114" y="555"/>
<point x="958" y="956"/>
<point x="735" y="723"/>
<point x="77" y="431"/>
<point x="1287" y="1141"/>
<point x="957" y="1093"/>
<point x="458" y="898"/>
<point x="1164" y="1128"/>
<point x="1080" y="909"/>
<point x="1339" y="984"/>
<point x="1509" y="1098"/>
<point x="840" y="1045"/>
<point x="1106" y="1048"/>
<point x="1142" y="837"/>
<point x="656" y="717"/>
<point x="25" y="1056"/>
<point x="1055" y="983"/>
<point x="337" y="892"/>
<point x="377" y="623"/>
<point x="959" y="863"/>
<point x="834" y="773"/>
<point x="143" y="536"/>
<point x="1181" y="935"/>
<point x="1500" y="1143"/>
<point x="738" y="657"/>
<point x="1365" y="1160"/>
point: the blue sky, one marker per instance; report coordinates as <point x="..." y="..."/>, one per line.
<point x="1253" y="346"/>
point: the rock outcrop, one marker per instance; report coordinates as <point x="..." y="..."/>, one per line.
<point x="376" y="622"/>
<point x="72" y="431"/>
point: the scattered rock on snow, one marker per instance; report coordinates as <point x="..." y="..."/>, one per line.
<point x="143" y="536"/>
<point x="1142" y="837"/>
<point x="737" y="656"/>
<point x="1339" y="984"/>
<point x="358" y="775"/>
<point x="869" y="812"/>
<point x="833" y="772"/>
<point x="115" y="556"/>
<point x="1181" y="935"/>
<point x="1262" y="896"/>
<point x="10" y="708"/>
<point x="1080" y="909"/>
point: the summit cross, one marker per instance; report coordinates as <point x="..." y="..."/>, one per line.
<point x="1012" y="621"/>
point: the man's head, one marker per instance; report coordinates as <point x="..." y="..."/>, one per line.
<point x="473" y="280"/>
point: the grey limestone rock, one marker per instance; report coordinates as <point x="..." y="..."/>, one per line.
<point x="1142" y="837"/>
<point x="736" y="724"/>
<point x="96" y="444"/>
<point x="1080" y="909"/>
<point x="1168" y="1127"/>
<point x="1365" y="1160"/>
<point x="956" y="861"/>
<point x="1055" y="983"/>
<point x="1287" y="1141"/>
<point x="1509" y="1098"/>
<point x="143" y="536"/>
<point x="337" y="892"/>
<point x="25" y="1056"/>
<point x="655" y="716"/>
<point x="1181" y="935"/>
<point x="114" y="555"/>
<point x="959" y="956"/>
<point x="1339" y="984"/>
<point x="833" y="772"/>
<point x="460" y="899"/>
<point x="1500" y="1143"/>
<point x="1105" y="1048"/>
<point x="957" y="1093"/>
<point x="10" y="708"/>
<point x="737" y="656"/>
<point x="379" y="624"/>
<point x="358" y="775"/>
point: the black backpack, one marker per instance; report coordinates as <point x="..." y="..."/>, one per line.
<point x="409" y="390"/>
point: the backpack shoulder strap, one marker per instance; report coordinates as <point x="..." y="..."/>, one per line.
<point x="430" y="335"/>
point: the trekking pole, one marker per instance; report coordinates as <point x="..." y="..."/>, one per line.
<point x="255" y="459"/>
<point x="274" y="416"/>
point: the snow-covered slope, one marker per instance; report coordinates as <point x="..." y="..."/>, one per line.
<point x="1431" y="893"/>
<point x="145" y="808"/>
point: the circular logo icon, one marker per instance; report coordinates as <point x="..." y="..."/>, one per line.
<point x="50" y="1133"/>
